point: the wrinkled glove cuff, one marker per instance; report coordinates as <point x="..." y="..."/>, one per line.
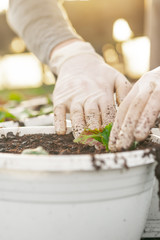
<point x="60" y="55"/>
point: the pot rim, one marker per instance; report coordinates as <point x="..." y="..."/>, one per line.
<point x="62" y="163"/>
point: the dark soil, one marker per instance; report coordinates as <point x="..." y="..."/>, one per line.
<point x="55" y="144"/>
<point x="52" y="143"/>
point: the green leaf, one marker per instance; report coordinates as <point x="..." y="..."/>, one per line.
<point x="100" y="135"/>
<point x="134" y="145"/>
<point x="15" y="96"/>
<point x="97" y="138"/>
<point x="5" y="115"/>
<point x="105" y="135"/>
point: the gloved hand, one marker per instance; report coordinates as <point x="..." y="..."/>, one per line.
<point x="137" y="113"/>
<point x="85" y="88"/>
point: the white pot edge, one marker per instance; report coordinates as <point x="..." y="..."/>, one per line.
<point x="106" y="161"/>
<point x="42" y="120"/>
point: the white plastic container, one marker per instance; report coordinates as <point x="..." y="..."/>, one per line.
<point x="152" y="228"/>
<point x="66" y="198"/>
<point x="42" y="120"/>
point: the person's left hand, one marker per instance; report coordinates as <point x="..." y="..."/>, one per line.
<point x="137" y="113"/>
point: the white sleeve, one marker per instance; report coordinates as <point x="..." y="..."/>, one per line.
<point x="41" y="23"/>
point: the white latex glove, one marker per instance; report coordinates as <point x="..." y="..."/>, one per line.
<point x="137" y="113"/>
<point x="85" y="88"/>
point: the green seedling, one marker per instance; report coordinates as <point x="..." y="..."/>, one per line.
<point x="89" y="136"/>
<point x="134" y="145"/>
<point x="6" y="116"/>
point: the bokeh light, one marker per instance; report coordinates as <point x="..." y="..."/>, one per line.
<point x="121" y="30"/>
<point x="109" y="53"/>
<point x="4" y="5"/>
<point x="20" y="71"/>
<point x="17" y="45"/>
<point x="136" y="53"/>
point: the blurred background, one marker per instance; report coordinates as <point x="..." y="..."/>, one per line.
<point x="121" y="31"/>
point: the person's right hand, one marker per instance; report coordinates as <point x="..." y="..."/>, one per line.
<point x="137" y="113"/>
<point x="85" y="87"/>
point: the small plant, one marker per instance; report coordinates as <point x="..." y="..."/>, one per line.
<point x="134" y="145"/>
<point x="5" y="115"/>
<point x="89" y="136"/>
<point x="101" y="136"/>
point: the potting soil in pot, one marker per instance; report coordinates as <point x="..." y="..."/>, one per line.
<point x="52" y="143"/>
<point x="62" y="144"/>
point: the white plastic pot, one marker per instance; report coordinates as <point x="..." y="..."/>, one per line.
<point x="66" y="198"/>
<point x="152" y="228"/>
<point x="42" y="120"/>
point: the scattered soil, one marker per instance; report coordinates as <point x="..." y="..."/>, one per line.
<point x="55" y="144"/>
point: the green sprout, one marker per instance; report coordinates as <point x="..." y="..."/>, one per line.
<point x="100" y="135"/>
<point x="134" y="145"/>
<point x="89" y="136"/>
<point x="5" y="115"/>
